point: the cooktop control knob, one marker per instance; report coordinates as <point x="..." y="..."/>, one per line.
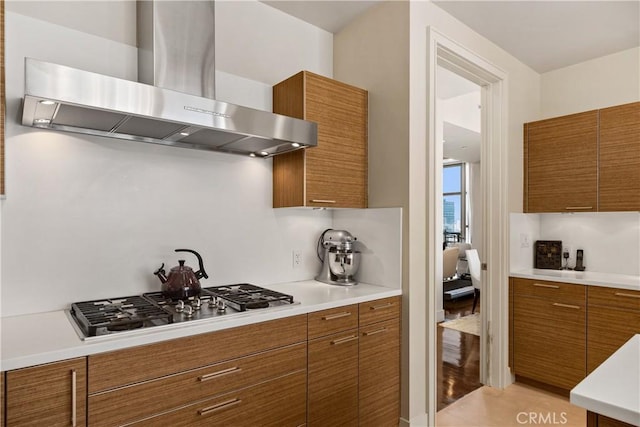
<point x="180" y="306"/>
<point x="212" y="302"/>
<point x="196" y="304"/>
<point x="221" y="305"/>
<point x="188" y="311"/>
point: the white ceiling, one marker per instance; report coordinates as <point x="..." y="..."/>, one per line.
<point x="545" y="35"/>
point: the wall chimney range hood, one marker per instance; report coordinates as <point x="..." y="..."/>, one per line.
<point x="175" y="58"/>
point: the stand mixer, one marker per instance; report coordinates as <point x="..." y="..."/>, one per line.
<point x="339" y="261"/>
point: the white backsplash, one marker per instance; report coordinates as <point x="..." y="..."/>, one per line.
<point x="610" y="240"/>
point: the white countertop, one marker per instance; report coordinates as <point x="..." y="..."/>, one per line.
<point x="34" y="339"/>
<point x="613" y="388"/>
<point x="609" y="280"/>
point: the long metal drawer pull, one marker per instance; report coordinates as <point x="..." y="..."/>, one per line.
<point x="74" y="400"/>
<point x="540" y="285"/>
<point x="337" y="315"/>
<point x="322" y="201"/>
<point x="344" y="340"/>
<point x="558" y="304"/>
<point x="620" y="294"/>
<point x="220" y="406"/>
<point x="578" y="208"/>
<point x="377" y="331"/>
<point x="379" y="307"/>
<point x="218" y="374"/>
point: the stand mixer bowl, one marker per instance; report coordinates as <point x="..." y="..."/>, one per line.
<point x="344" y="264"/>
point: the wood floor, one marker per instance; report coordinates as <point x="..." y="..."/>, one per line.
<point x="458" y="356"/>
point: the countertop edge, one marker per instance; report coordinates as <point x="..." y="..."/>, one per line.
<point x="71" y="346"/>
<point x="606" y="280"/>
<point x="600" y="391"/>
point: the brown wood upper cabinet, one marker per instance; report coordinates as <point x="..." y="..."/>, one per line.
<point x="333" y="174"/>
<point x="561" y="156"/>
<point x="619" y="165"/>
<point x="583" y="162"/>
<point x="48" y="395"/>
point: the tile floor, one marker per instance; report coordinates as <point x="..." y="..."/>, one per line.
<point x="516" y="405"/>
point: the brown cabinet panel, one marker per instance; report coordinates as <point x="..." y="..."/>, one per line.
<point x="279" y="402"/>
<point x="379" y="366"/>
<point x="327" y="322"/>
<point x="47" y="395"/>
<point x="122" y="367"/>
<point x="333" y="380"/>
<point x="151" y="397"/>
<point x="379" y="310"/>
<point x="549" y="340"/>
<point x="561" y="156"/>
<point x="2" y="412"/>
<point x="607" y="330"/>
<point x="558" y="292"/>
<point x="614" y="297"/>
<point x="619" y="161"/>
<point x="333" y="174"/>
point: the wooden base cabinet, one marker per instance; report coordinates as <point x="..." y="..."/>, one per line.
<point x="333" y="174"/>
<point x="597" y="420"/>
<point x="549" y="332"/>
<point x="613" y="318"/>
<point x="379" y="363"/>
<point x="47" y="395"/>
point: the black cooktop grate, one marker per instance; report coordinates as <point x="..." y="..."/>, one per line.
<point x="117" y="314"/>
<point x="244" y="296"/>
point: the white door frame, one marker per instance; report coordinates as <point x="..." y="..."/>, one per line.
<point x="494" y="370"/>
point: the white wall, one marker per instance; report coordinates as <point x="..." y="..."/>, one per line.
<point x="602" y="82"/>
<point x="87" y="217"/>
<point x="610" y="240"/>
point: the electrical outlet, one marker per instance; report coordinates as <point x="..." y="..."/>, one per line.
<point x="567" y="248"/>
<point x="524" y="240"/>
<point x="296" y="259"/>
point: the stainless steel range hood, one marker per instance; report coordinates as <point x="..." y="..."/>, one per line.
<point x="175" y="55"/>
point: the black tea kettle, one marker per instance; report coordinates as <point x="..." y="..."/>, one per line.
<point x="182" y="282"/>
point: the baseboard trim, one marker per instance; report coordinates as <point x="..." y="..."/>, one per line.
<point x="440" y="315"/>
<point x="418" y="421"/>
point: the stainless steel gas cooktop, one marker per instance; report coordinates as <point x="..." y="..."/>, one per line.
<point x="118" y="315"/>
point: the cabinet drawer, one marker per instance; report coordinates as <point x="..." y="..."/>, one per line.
<point x="549" y="341"/>
<point x="379" y="369"/>
<point x="333" y="380"/>
<point x="379" y="310"/>
<point x="132" y="365"/>
<point x="613" y="297"/>
<point x="280" y="402"/>
<point x="327" y="322"/>
<point x="556" y="291"/>
<point x="150" y="397"/>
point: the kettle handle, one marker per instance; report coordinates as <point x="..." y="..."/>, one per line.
<point x="200" y="273"/>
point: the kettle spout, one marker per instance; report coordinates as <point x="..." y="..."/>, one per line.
<point x="161" y="274"/>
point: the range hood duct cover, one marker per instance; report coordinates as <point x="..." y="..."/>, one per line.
<point x="172" y="61"/>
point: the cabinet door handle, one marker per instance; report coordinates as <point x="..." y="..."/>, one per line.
<point x="381" y="306"/>
<point x="578" y="208"/>
<point x="207" y="377"/>
<point x="337" y="315"/>
<point x="322" y="201"/>
<point x="622" y="294"/>
<point x="74" y="400"/>
<point x="377" y="331"/>
<point x="541" y="285"/>
<point x="558" y="304"/>
<point x="344" y="340"/>
<point x="219" y="407"/>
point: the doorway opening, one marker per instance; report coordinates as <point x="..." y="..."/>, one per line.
<point x="493" y="352"/>
<point x="458" y="129"/>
